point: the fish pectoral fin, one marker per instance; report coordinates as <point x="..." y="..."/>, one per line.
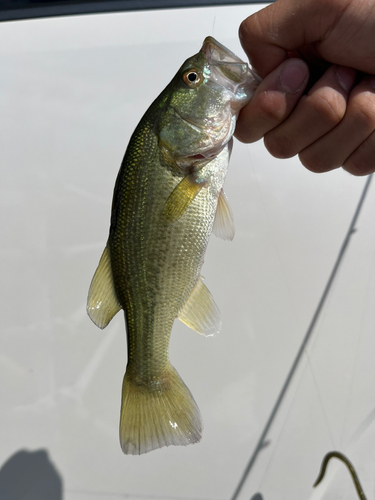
<point x="102" y="302"/>
<point x="181" y="197"/>
<point x="224" y="223"/>
<point x="200" y="313"/>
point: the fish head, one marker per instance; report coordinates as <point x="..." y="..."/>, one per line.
<point x="202" y="103"/>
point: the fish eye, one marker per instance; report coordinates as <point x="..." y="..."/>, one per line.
<point x="191" y="77"/>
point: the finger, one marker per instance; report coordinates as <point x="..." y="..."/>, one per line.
<point x="315" y="114"/>
<point x="287" y="25"/>
<point x="273" y="100"/>
<point x="336" y="147"/>
<point x="362" y="161"/>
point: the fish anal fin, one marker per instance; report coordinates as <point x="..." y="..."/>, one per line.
<point x="200" y="313"/>
<point x="102" y="303"/>
<point x="181" y="197"/>
<point x="224" y="223"/>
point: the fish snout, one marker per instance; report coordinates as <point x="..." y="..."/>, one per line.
<point x="215" y="52"/>
<point x="229" y="71"/>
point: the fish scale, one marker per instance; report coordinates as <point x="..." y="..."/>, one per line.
<point x="147" y="260"/>
<point x="167" y="199"/>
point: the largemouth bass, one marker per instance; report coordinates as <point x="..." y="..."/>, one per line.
<point x="168" y="198"/>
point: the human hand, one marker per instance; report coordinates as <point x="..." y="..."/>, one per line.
<point x="333" y="124"/>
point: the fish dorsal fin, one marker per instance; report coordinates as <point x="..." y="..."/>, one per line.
<point x="200" y="313"/>
<point x="224" y="222"/>
<point x="102" y="303"/>
<point x="181" y="197"/>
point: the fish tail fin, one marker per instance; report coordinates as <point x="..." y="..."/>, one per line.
<point x="161" y="413"/>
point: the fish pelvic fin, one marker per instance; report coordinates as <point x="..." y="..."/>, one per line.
<point x="224" y="223"/>
<point x="200" y="312"/>
<point x="181" y="197"/>
<point x="161" y="413"/>
<point x="102" y="302"/>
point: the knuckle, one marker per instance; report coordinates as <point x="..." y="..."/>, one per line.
<point x="330" y="106"/>
<point x="336" y="6"/>
<point x="252" y="28"/>
<point x="361" y="161"/>
<point x="245" y="30"/>
<point x="315" y="163"/>
<point x="248" y="129"/>
<point x="280" y="146"/>
<point x="271" y="107"/>
<point x="363" y="109"/>
<point x="250" y="31"/>
<point x="264" y="113"/>
<point x="357" y="169"/>
<point x="245" y="134"/>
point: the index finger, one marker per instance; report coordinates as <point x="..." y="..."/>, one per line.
<point x="284" y="26"/>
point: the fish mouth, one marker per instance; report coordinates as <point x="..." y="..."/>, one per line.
<point x="215" y="52"/>
<point x="229" y="70"/>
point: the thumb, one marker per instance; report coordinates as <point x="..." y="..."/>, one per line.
<point x="286" y="26"/>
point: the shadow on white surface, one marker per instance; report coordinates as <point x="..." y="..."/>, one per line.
<point x="30" y="475"/>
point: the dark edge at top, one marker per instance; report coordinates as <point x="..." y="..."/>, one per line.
<point x="12" y="10"/>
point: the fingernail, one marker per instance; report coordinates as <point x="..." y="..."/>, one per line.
<point x="293" y="76"/>
<point x="345" y="77"/>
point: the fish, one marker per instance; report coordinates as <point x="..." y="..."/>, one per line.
<point x="168" y="199"/>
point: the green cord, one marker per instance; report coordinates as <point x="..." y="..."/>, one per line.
<point x="352" y="471"/>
